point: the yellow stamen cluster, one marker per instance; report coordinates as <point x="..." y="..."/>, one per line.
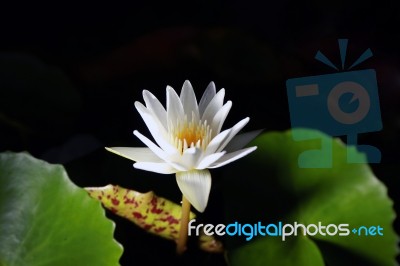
<point x="190" y="134"/>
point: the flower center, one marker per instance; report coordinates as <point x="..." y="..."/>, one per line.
<point x="191" y="134"/>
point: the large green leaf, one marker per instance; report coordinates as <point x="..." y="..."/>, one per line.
<point x="47" y="220"/>
<point x="268" y="186"/>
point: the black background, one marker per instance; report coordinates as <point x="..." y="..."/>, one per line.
<point x="70" y="73"/>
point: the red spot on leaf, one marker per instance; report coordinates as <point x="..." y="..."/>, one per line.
<point x="155" y="210"/>
<point x="147" y="226"/>
<point x="114" y="201"/>
<point x="154" y="206"/>
<point x="153" y="201"/>
<point x="129" y="201"/>
<point x="171" y="220"/>
<point x="137" y="215"/>
<point x="159" y="230"/>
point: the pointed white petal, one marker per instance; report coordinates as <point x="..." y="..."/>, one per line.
<point x="156" y="129"/>
<point x="178" y="166"/>
<point x="136" y="154"/>
<point x="174" y="106"/>
<point x="216" y="142"/>
<point x="234" y="130"/>
<point x="195" y="185"/>
<point x="190" y="158"/>
<point x="154" y="105"/>
<point x="189" y="102"/>
<point x="208" y="95"/>
<point x="220" y="117"/>
<point x="153" y="147"/>
<point x="149" y="118"/>
<point x="233" y="156"/>
<point x="213" y="107"/>
<point x="241" y="140"/>
<point x="210" y="159"/>
<point x="161" y="168"/>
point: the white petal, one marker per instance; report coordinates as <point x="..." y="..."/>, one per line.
<point x="195" y="185"/>
<point x="168" y="158"/>
<point x="214" y="106"/>
<point x="156" y="128"/>
<point x="136" y="154"/>
<point x="174" y="106"/>
<point x="154" y="105"/>
<point x="153" y="147"/>
<point x="208" y="95"/>
<point x="190" y="158"/>
<point x="234" y="130"/>
<point x="210" y="159"/>
<point x="189" y="102"/>
<point x="241" y="140"/>
<point x="152" y="122"/>
<point x="220" y="117"/>
<point x="233" y="156"/>
<point x="216" y="142"/>
<point x="161" y="168"/>
<point x="177" y="166"/>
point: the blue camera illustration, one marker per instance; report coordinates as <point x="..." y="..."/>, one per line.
<point x="339" y="104"/>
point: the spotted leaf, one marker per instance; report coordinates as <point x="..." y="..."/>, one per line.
<point x="150" y="212"/>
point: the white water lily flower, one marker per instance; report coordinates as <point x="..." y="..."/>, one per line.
<point x="188" y="139"/>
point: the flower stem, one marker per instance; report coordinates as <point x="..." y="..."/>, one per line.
<point x="183" y="231"/>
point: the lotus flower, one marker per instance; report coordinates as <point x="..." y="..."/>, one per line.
<point x="188" y="139"/>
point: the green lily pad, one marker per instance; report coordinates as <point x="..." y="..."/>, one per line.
<point x="268" y="187"/>
<point x="47" y="220"/>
